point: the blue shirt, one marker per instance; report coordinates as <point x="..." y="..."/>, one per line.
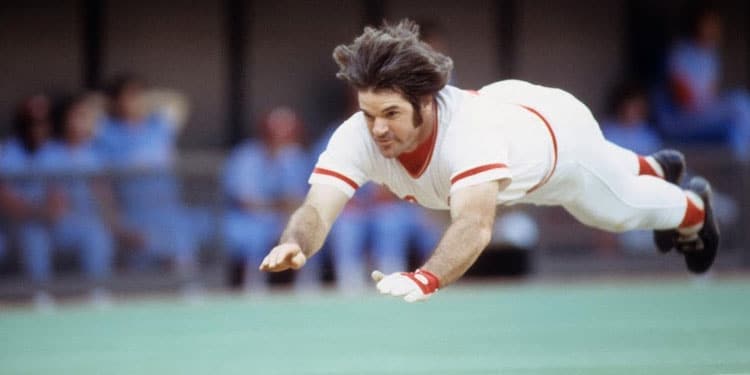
<point x="144" y="152"/>
<point x="76" y="167"/>
<point x="639" y="138"/>
<point x="251" y="173"/>
<point x="698" y="67"/>
<point x="25" y="171"/>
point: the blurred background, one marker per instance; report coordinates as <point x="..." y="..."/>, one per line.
<point x="159" y="146"/>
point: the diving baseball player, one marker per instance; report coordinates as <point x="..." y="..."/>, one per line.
<point x="468" y="152"/>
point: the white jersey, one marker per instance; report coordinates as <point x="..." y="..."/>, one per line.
<point x="482" y="136"/>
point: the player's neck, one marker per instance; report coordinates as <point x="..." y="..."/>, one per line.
<point x="416" y="160"/>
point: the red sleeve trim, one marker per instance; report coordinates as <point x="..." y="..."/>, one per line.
<point x="340" y="176"/>
<point x="476" y="170"/>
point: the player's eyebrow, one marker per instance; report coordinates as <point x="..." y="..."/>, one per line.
<point x="385" y="110"/>
<point x="389" y="108"/>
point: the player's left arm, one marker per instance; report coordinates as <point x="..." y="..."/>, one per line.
<point x="472" y="219"/>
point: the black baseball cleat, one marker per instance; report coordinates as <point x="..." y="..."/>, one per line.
<point x="672" y="162"/>
<point x="700" y="250"/>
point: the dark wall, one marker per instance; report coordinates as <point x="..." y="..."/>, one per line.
<point x="177" y="44"/>
<point x="581" y="46"/>
<point x="469" y="33"/>
<point x="39" y="50"/>
<point x="577" y="46"/>
<point x="289" y="52"/>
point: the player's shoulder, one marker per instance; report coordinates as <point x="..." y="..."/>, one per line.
<point x="508" y="89"/>
<point x="462" y="109"/>
<point x="489" y="113"/>
<point x="352" y="132"/>
<point x="355" y="124"/>
<point x="455" y="105"/>
<point x="452" y="95"/>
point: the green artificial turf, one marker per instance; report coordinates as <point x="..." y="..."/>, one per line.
<point x="597" y="327"/>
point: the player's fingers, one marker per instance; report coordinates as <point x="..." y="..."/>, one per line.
<point x="415" y="296"/>
<point x="388" y="284"/>
<point x="264" y="265"/>
<point x="384" y="285"/>
<point x="402" y="287"/>
<point x="298" y="260"/>
<point x="278" y="258"/>
<point x="271" y="263"/>
<point x="377" y="276"/>
<point x="279" y="265"/>
<point x="290" y="258"/>
<point x="288" y="255"/>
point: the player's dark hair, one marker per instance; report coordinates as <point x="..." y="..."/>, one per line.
<point x="392" y="57"/>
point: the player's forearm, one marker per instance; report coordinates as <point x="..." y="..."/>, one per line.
<point x="307" y="229"/>
<point x="459" y="248"/>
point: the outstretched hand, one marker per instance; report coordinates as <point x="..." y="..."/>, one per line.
<point x="283" y="257"/>
<point x="412" y="286"/>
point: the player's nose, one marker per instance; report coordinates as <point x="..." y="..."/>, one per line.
<point x="380" y="127"/>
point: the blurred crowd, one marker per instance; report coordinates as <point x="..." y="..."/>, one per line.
<point x="685" y="108"/>
<point x="687" y="105"/>
<point x="93" y="174"/>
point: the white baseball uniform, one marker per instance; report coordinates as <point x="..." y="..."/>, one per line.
<point x="542" y="144"/>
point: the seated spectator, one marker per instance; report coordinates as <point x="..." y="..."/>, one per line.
<point x="693" y="108"/>
<point x="24" y="198"/>
<point x="139" y="146"/>
<point x="263" y="181"/>
<point x="628" y="126"/>
<point x="75" y="169"/>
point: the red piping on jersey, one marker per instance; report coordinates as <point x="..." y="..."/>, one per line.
<point x="416" y="162"/>
<point x="476" y="170"/>
<point x="554" y="146"/>
<point x="340" y="176"/>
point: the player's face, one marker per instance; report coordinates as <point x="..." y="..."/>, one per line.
<point x="390" y="119"/>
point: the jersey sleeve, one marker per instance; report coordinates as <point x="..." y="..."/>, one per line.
<point x="477" y="154"/>
<point x="346" y="162"/>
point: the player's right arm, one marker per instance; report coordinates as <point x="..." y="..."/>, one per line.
<point x="341" y="169"/>
<point x="307" y="229"/>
